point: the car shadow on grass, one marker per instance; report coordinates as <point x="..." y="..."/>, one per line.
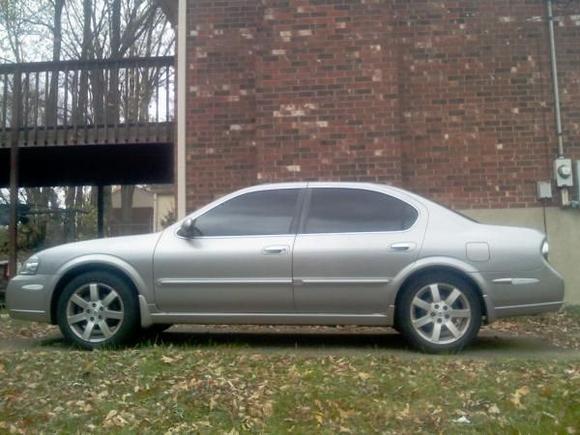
<point x="283" y="340"/>
<point x="336" y="342"/>
<point x="330" y="342"/>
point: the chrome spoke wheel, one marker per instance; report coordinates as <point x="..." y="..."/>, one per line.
<point x="95" y="312"/>
<point x="440" y="313"/>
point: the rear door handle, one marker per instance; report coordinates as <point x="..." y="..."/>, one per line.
<point x="402" y="247"/>
<point x="275" y="250"/>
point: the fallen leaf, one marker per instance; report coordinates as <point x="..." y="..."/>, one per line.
<point x="114" y="418"/>
<point x="363" y="376"/>
<point x="404" y="413"/>
<point x="168" y="360"/>
<point x="516" y="398"/>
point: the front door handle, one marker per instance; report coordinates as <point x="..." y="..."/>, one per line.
<point x="275" y="250"/>
<point x="402" y="247"/>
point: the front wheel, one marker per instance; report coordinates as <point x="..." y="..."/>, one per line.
<point x="439" y="313"/>
<point x="97" y="309"/>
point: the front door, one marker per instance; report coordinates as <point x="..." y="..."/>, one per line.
<point x="353" y="241"/>
<point x="241" y="261"/>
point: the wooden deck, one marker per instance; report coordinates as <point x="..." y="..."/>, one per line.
<point x="95" y="122"/>
<point x="161" y="132"/>
<point x="123" y="101"/>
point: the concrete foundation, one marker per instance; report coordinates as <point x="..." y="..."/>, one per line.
<point x="563" y="229"/>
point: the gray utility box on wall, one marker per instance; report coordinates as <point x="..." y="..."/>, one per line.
<point x="544" y="189"/>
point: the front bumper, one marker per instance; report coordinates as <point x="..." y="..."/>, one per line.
<point x="27" y="297"/>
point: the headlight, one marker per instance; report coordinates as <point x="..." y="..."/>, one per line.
<point x="30" y="266"/>
<point x="545" y="249"/>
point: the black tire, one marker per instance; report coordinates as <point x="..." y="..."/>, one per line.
<point x="468" y="302"/>
<point x="122" y="332"/>
<point x="396" y="325"/>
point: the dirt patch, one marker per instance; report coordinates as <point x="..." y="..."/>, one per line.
<point x="11" y="329"/>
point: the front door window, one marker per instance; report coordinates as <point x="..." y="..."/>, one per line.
<point x="262" y="213"/>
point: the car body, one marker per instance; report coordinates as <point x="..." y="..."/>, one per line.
<point x="349" y="254"/>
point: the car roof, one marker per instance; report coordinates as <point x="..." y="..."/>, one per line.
<point x="336" y="184"/>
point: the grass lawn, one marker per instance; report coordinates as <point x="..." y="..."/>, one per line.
<point x="236" y="388"/>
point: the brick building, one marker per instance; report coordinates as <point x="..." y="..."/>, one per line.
<point x="450" y="98"/>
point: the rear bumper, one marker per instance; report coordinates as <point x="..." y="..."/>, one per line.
<point x="27" y="297"/>
<point x="525" y="292"/>
<point x="527" y="309"/>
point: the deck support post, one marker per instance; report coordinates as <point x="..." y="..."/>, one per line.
<point x="15" y="126"/>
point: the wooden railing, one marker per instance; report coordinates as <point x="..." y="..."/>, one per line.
<point x="89" y="102"/>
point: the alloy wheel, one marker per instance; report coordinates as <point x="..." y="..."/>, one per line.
<point x="440" y="313"/>
<point x="95" y="312"/>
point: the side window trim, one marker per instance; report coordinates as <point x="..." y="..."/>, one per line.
<point x="305" y="210"/>
<point x="296" y="223"/>
<point x="293" y="228"/>
<point x="308" y="203"/>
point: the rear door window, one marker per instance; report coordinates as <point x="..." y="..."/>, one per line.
<point x="339" y="210"/>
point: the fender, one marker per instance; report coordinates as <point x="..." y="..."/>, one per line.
<point x="143" y="290"/>
<point x="449" y="262"/>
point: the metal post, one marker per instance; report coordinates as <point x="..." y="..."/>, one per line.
<point x="564" y="192"/>
<point x="100" y="211"/>
<point x="555" y="84"/>
<point x="16" y="120"/>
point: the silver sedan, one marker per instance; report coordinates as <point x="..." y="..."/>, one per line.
<point x="298" y="254"/>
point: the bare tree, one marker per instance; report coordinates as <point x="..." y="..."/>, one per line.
<point x="56" y="28"/>
<point x="13" y="24"/>
<point x="41" y="30"/>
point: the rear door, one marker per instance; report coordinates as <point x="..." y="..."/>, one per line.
<point x="352" y="242"/>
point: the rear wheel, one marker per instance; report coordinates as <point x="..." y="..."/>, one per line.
<point x="439" y="313"/>
<point x="97" y="309"/>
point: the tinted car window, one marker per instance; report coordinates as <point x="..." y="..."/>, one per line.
<point x="257" y="213"/>
<point x="355" y="210"/>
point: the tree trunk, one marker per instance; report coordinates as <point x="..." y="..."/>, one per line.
<point x="127" y="208"/>
<point x="86" y="53"/>
<point x="52" y="103"/>
<point x="69" y="224"/>
<point x="114" y="91"/>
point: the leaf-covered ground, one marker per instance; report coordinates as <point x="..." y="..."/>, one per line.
<point x="561" y="329"/>
<point x="197" y="385"/>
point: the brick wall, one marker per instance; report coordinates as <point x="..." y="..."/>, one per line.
<point x="221" y="105"/>
<point x="568" y="40"/>
<point x="451" y="99"/>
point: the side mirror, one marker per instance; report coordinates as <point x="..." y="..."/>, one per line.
<point x="188" y="229"/>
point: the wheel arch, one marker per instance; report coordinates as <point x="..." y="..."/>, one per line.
<point x="457" y="270"/>
<point x="95" y="265"/>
